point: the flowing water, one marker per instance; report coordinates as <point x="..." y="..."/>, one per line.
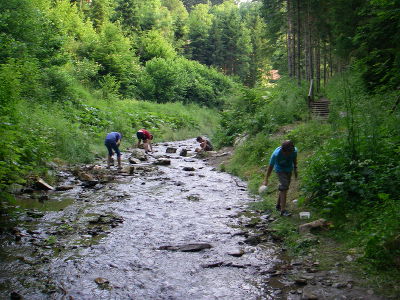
<point x="126" y="238"/>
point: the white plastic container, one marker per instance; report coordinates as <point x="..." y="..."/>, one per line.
<point x="262" y="189"/>
<point x="304" y="215"/>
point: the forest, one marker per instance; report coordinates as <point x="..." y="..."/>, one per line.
<point x="73" y="70"/>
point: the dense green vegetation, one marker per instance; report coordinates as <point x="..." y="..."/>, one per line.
<point x="349" y="165"/>
<point x="73" y="70"/>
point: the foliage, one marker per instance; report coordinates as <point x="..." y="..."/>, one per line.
<point x="261" y="110"/>
<point x="352" y="177"/>
<point x="152" y="44"/>
<point x="171" y="80"/>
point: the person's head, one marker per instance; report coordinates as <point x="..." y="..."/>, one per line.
<point x="199" y="139"/>
<point x="287" y="146"/>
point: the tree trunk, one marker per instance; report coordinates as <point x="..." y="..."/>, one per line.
<point x="306" y="64"/>
<point x="290" y="38"/>
<point x="325" y="58"/>
<point x="298" y="44"/>
<point x="318" y="64"/>
<point x="310" y="44"/>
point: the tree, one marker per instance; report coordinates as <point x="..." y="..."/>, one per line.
<point x="200" y="22"/>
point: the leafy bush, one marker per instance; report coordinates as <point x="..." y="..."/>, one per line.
<point x="172" y="80"/>
<point x="381" y="237"/>
<point x="253" y="111"/>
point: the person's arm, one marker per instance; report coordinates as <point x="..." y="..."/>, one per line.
<point x="118" y="136"/>
<point x="295" y="167"/>
<point x="269" y="171"/>
<point x="270" y="168"/>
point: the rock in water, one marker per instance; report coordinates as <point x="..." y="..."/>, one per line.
<point x="162" y="162"/>
<point x="171" y="150"/>
<point x="187" y="247"/>
<point x="183" y="152"/>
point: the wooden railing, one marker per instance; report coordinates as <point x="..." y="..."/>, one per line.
<point x="310" y="96"/>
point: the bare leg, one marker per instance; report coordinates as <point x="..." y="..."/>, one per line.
<point x="119" y="162"/>
<point x="109" y="161"/>
<point x="282" y="196"/>
<point x="278" y="203"/>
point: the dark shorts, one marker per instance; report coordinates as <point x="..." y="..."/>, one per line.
<point x="208" y="147"/>
<point x="112" y="146"/>
<point x="141" y="136"/>
<point x="284" y="180"/>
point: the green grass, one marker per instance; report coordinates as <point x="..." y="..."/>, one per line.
<point x="340" y="240"/>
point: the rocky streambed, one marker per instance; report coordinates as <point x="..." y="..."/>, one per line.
<point x="167" y="226"/>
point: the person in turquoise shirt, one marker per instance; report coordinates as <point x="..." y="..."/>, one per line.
<point x="284" y="161"/>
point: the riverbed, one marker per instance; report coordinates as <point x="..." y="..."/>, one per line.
<point x="167" y="227"/>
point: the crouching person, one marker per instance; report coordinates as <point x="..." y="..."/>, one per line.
<point x="112" y="142"/>
<point x="205" y="145"/>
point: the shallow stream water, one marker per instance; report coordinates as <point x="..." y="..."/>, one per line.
<point x="124" y="239"/>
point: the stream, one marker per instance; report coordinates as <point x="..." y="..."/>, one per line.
<point x="169" y="227"/>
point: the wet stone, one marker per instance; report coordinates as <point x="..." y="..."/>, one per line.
<point x="188" y="169"/>
<point x="236" y="252"/>
<point x="64" y="187"/>
<point x="301" y="281"/>
<point x="35" y="214"/>
<point x="193" y="198"/>
<point x="213" y="265"/>
<point x="90" y="183"/>
<point x="16" y="296"/>
<point x="139" y="154"/>
<point x="187" y="247"/>
<point x="171" y="150"/>
<point x="339" y="285"/>
<point x="308" y="296"/>
<point x="183" y="152"/>
<point x="134" y="160"/>
<point x="102" y="283"/>
<point x="162" y="162"/>
<point x="253" y="240"/>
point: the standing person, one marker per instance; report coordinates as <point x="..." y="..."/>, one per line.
<point x="146" y="137"/>
<point x="205" y="145"/>
<point x="112" y="142"/>
<point x="283" y="161"/>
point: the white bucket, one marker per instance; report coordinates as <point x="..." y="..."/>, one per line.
<point x="262" y="189"/>
<point x="304" y="215"/>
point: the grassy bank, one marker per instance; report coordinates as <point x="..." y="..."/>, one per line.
<point x="339" y="245"/>
<point x="74" y="133"/>
<point x="348" y="170"/>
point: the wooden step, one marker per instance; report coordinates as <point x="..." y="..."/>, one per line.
<point x="320" y="108"/>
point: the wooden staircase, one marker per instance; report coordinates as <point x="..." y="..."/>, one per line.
<point x="319" y="109"/>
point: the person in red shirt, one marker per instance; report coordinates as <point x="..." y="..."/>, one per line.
<point x="146" y="137"/>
